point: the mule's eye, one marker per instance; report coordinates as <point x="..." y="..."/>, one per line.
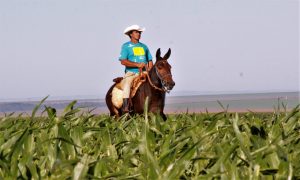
<point x="159" y="66"/>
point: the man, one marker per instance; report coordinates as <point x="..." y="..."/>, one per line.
<point x="134" y="55"/>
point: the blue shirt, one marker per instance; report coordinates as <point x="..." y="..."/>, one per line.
<point x="138" y="53"/>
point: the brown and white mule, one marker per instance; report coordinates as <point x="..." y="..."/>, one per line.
<point x="159" y="81"/>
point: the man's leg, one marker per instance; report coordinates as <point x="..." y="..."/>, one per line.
<point x="126" y="84"/>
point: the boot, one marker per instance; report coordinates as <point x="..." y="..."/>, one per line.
<point x="125" y="107"/>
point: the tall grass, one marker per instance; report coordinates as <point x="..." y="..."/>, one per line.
<point x="81" y="145"/>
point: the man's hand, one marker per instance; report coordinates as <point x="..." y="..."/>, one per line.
<point x="141" y="65"/>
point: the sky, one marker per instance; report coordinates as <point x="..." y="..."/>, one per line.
<point x="70" y="48"/>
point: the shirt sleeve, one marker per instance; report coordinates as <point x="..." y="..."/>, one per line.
<point x="148" y="54"/>
<point x="124" y="53"/>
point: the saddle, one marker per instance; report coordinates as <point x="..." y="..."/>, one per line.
<point x="136" y="83"/>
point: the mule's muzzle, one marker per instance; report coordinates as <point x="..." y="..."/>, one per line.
<point x="171" y="85"/>
<point x="168" y="86"/>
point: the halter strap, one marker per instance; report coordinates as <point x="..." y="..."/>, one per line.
<point x="162" y="77"/>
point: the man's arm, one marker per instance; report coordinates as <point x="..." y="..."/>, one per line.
<point x="149" y="65"/>
<point x="128" y="63"/>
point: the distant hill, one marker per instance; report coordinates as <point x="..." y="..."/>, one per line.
<point x="191" y="103"/>
<point x="28" y="106"/>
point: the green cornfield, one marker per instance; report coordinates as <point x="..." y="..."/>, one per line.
<point x="81" y="145"/>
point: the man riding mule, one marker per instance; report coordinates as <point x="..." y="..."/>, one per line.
<point x="134" y="56"/>
<point x="152" y="81"/>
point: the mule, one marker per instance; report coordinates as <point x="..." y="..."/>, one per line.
<point x="159" y="81"/>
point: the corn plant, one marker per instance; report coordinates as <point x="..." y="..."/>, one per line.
<point x="82" y="145"/>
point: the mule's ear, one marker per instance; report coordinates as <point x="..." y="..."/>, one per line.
<point x="167" y="55"/>
<point x="158" y="54"/>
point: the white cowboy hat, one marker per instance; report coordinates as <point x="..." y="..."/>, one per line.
<point x="134" y="27"/>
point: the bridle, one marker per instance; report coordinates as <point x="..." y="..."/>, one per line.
<point x="161" y="78"/>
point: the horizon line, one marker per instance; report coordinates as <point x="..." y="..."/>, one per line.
<point x="175" y="94"/>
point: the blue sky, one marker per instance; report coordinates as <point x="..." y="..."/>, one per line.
<point x="71" y="47"/>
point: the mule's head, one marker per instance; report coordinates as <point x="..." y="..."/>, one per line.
<point x="163" y="70"/>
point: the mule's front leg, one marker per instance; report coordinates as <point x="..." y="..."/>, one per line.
<point x="163" y="116"/>
<point x="157" y="111"/>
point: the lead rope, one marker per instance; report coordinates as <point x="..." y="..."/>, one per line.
<point x="155" y="87"/>
<point x="149" y="79"/>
